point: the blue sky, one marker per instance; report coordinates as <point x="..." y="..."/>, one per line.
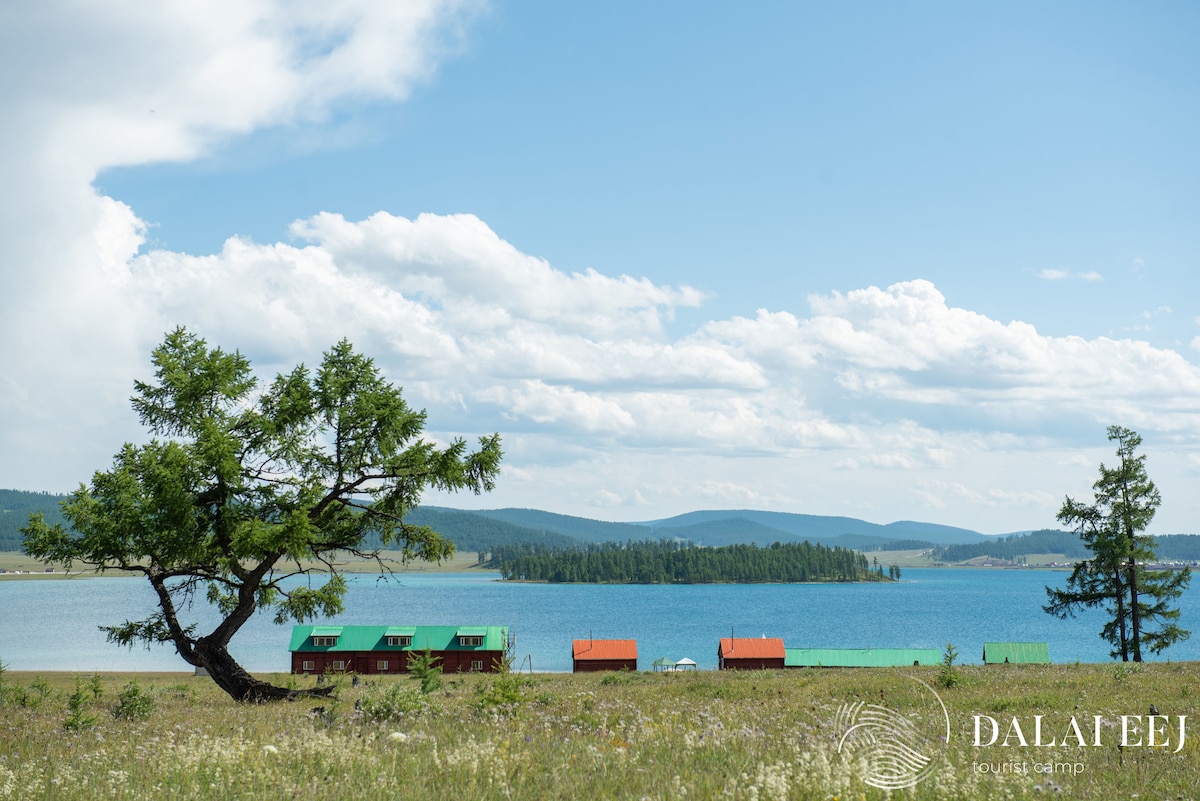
<point x="895" y="261"/>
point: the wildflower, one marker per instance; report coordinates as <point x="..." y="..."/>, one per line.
<point x="398" y="737"/>
<point x="270" y="749"/>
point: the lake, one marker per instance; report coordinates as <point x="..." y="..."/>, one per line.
<point x="52" y="625"/>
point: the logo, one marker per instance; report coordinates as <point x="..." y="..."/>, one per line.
<point x="898" y="750"/>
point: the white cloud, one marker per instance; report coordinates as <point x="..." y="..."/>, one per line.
<point x="94" y="86"/>
<point x="877" y="398"/>
<point x="1066" y="275"/>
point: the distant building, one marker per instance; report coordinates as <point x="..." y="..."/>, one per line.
<point x="1016" y="653"/>
<point x="861" y="657"/>
<point x="594" y="655"/>
<point x="749" y="653"/>
<point x="387" y="649"/>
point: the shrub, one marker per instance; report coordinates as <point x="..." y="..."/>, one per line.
<point x="393" y="703"/>
<point x="134" y="703"/>
<point x="501" y="693"/>
<point x="620" y="677"/>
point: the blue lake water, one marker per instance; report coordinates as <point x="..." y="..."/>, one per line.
<point x="52" y="625"/>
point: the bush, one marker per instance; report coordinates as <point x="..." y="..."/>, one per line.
<point x="622" y="676"/>
<point x="393" y="703"/>
<point x="133" y="703"/>
<point x="501" y="693"/>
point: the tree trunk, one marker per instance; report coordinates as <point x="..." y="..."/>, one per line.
<point x="1134" y="611"/>
<point x="1122" y="615"/>
<point x="241" y="686"/>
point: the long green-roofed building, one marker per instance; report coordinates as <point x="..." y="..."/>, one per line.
<point x="860" y="657"/>
<point x="1016" y="653"/>
<point x="386" y="649"/>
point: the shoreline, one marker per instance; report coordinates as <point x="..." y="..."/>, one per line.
<point x="25" y="568"/>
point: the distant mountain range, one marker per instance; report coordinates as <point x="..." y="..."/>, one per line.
<point x="482" y="530"/>
<point x="731" y="527"/>
<point x="818" y="527"/>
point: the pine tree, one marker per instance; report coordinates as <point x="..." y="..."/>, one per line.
<point x="1112" y="527"/>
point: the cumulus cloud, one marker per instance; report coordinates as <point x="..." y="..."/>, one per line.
<point x="96" y="86"/>
<point x="879" y="397"/>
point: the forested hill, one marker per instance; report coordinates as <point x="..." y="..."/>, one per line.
<point x="1174" y="547"/>
<point x="474" y="532"/>
<point x="822" y="528"/>
<point x="15" y="508"/>
<point x="667" y="562"/>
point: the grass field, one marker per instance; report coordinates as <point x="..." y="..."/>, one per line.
<point x="756" y="735"/>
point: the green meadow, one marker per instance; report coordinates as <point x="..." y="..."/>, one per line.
<point x="755" y="736"/>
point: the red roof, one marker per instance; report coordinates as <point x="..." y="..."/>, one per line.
<point x="604" y="649"/>
<point x="752" y="648"/>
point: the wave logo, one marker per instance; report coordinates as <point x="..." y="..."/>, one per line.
<point x="898" y="751"/>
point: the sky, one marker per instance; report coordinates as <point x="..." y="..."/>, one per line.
<point x="893" y="261"/>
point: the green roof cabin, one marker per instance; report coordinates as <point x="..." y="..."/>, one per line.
<point x="386" y="649"/>
<point x="860" y="657"/>
<point x="1016" y="653"/>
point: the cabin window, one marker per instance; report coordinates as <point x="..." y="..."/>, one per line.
<point x="477" y="666"/>
<point x="468" y="641"/>
<point x="338" y="666"/>
<point x="381" y="666"/>
<point x="324" y="640"/>
<point x="402" y="641"/>
<point x="308" y="666"/>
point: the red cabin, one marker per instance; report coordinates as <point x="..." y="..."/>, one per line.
<point x="749" y="653"/>
<point x="592" y="655"/>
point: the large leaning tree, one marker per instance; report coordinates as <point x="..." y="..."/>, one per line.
<point x="1138" y="600"/>
<point x="243" y="489"/>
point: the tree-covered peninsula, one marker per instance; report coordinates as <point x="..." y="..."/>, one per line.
<point x="670" y="562"/>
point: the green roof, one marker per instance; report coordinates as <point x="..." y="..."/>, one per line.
<point x="1016" y="653"/>
<point x="374" y="638"/>
<point x="326" y="631"/>
<point x="400" y="631"/>
<point x="860" y="657"/>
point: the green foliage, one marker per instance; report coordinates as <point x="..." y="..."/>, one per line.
<point x="425" y="667"/>
<point x="501" y="694"/>
<point x="392" y="702"/>
<point x="1138" y="600"/>
<point x="134" y="703"/>
<point x="1123" y="670"/>
<point x="30" y="697"/>
<point x="623" y="676"/>
<point x="79" y="704"/>
<point x="948" y="675"/>
<point x="668" y="562"/>
<point x="244" y="487"/>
